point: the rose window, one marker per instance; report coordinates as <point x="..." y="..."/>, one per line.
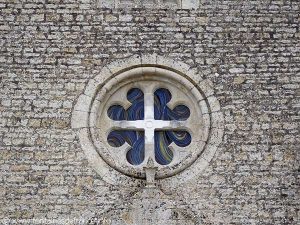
<point x="140" y="119"/>
<point x="148" y="118"/>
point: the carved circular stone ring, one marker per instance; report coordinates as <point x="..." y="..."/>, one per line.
<point x="145" y="114"/>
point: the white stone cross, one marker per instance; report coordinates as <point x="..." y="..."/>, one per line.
<point x="149" y="125"/>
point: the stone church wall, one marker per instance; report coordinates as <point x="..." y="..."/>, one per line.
<point x="249" y="50"/>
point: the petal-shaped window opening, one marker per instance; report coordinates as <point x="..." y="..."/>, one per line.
<point x="162" y="112"/>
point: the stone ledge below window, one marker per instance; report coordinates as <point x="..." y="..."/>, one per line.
<point x="172" y="4"/>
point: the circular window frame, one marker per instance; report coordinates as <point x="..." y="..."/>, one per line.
<point x="85" y="114"/>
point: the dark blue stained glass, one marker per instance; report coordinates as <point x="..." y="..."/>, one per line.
<point x="163" y="154"/>
<point x="116" y="138"/>
<point x="135" y="139"/>
<point x="134" y="112"/>
<point x="116" y="112"/>
<point x="136" y="154"/>
<point x="163" y="112"/>
<point x="162" y="139"/>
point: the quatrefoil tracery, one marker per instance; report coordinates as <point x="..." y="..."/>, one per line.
<point x="154" y="127"/>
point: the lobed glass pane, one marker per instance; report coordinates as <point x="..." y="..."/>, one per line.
<point x="136" y="139"/>
<point x="162" y="112"/>
<point x="134" y="112"/>
<point x="162" y="139"/>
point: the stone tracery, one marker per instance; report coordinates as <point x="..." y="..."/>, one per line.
<point x="162" y="138"/>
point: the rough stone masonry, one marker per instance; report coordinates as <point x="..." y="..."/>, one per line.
<point x="249" y="50"/>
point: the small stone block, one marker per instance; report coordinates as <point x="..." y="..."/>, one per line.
<point x="210" y="152"/>
<point x="194" y="75"/>
<point x="79" y="119"/>
<point x="206" y="86"/>
<point x="83" y="103"/>
<point x="214" y="104"/>
<point x="91" y="88"/>
<point x="106" y="3"/>
<point x="104" y="74"/>
<point x="190" y="4"/>
<point x="203" y="107"/>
